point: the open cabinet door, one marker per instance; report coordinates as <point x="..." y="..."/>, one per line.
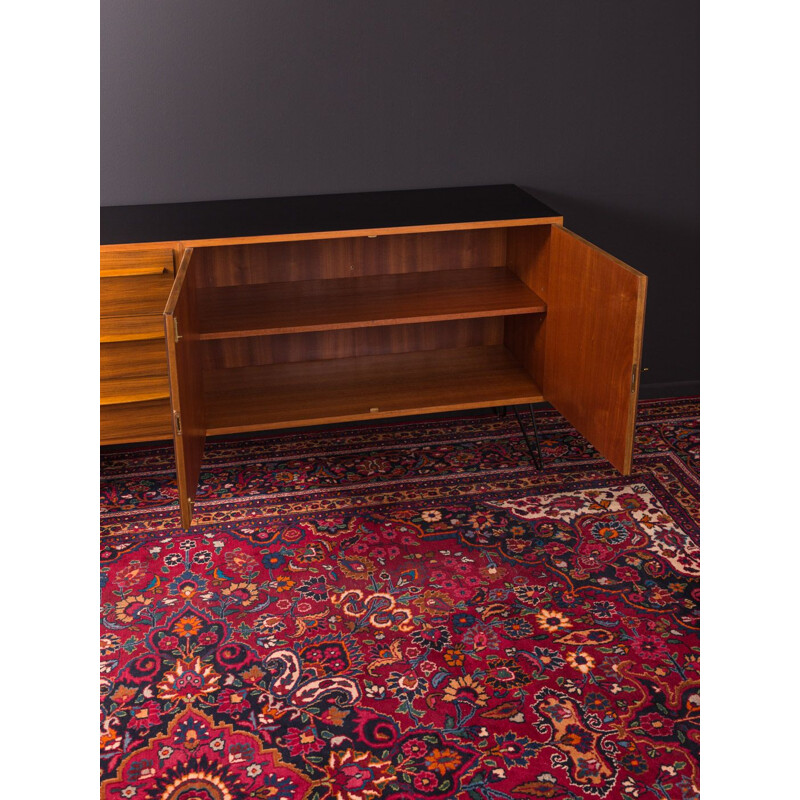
<point x="185" y="385"/>
<point x="593" y="345"/>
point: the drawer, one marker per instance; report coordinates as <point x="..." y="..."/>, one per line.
<point x="133" y="371"/>
<point x="128" y="329"/>
<point x="135" y="282"/>
<point x="135" y="422"/>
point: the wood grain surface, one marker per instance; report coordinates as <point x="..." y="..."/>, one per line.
<point x="119" y="262"/>
<point x="136" y="422"/>
<point x="132" y="328"/>
<point x="132" y="295"/>
<point x="132" y="371"/>
<point x="351" y="342"/>
<point x="595" y="321"/>
<point x="315" y="392"/>
<point x="186" y="385"/>
<point x="348" y="257"/>
<point x="528" y="257"/>
<point x="315" y="305"/>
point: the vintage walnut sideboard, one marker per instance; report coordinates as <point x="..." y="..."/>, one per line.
<point x="231" y="316"/>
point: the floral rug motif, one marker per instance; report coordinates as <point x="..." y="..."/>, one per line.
<point x="405" y="611"/>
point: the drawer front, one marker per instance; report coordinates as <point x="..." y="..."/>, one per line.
<point x="135" y="422"/>
<point x="134" y="294"/>
<point x="120" y="263"/>
<point x="133" y="371"/>
<point x="133" y="359"/>
<point x="128" y="329"/>
<point x="134" y="282"/>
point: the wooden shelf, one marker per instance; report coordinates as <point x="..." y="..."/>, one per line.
<point x="341" y="390"/>
<point x="314" y="305"/>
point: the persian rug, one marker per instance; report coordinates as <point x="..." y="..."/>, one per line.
<point x="405" y="611"/>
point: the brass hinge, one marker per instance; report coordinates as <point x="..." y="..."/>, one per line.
<point x="178" y="423"/>
<point x="633" y="378"/>
<point x="178" y="337"/>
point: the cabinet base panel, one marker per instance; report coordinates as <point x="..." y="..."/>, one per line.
<point x="369" y="387"/>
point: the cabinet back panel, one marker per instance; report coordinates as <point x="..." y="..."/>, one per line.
<point x="316" y="346"/>
<point x="348" y="257"/>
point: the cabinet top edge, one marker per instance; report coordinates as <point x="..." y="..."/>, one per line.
<point x="309" y="216"/>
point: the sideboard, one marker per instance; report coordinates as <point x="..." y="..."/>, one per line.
<point x="232" y="316"/>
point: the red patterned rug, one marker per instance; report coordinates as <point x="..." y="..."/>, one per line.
<point x="405" y="611"/>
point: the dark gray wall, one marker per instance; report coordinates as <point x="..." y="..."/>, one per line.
<point x="591" y="106"/>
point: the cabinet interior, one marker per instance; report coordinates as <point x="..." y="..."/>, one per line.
<point x="305" y="332"/>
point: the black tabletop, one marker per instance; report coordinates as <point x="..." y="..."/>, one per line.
<point x="222" y="219"/>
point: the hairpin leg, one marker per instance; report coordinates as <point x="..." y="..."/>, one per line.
<point x="536" y="455"/>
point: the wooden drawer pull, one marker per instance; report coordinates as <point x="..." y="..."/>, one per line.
<point x="144" y="269"/>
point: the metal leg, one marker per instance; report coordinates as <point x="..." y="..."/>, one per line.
<point x="500" y="411"/>
<point x="536" y="455"/>
<point x="540" y="463"/>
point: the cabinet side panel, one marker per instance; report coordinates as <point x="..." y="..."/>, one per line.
<point x="186" y="385"/>
<point x="528" y="255"/>
<point x="595" y="319"/>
